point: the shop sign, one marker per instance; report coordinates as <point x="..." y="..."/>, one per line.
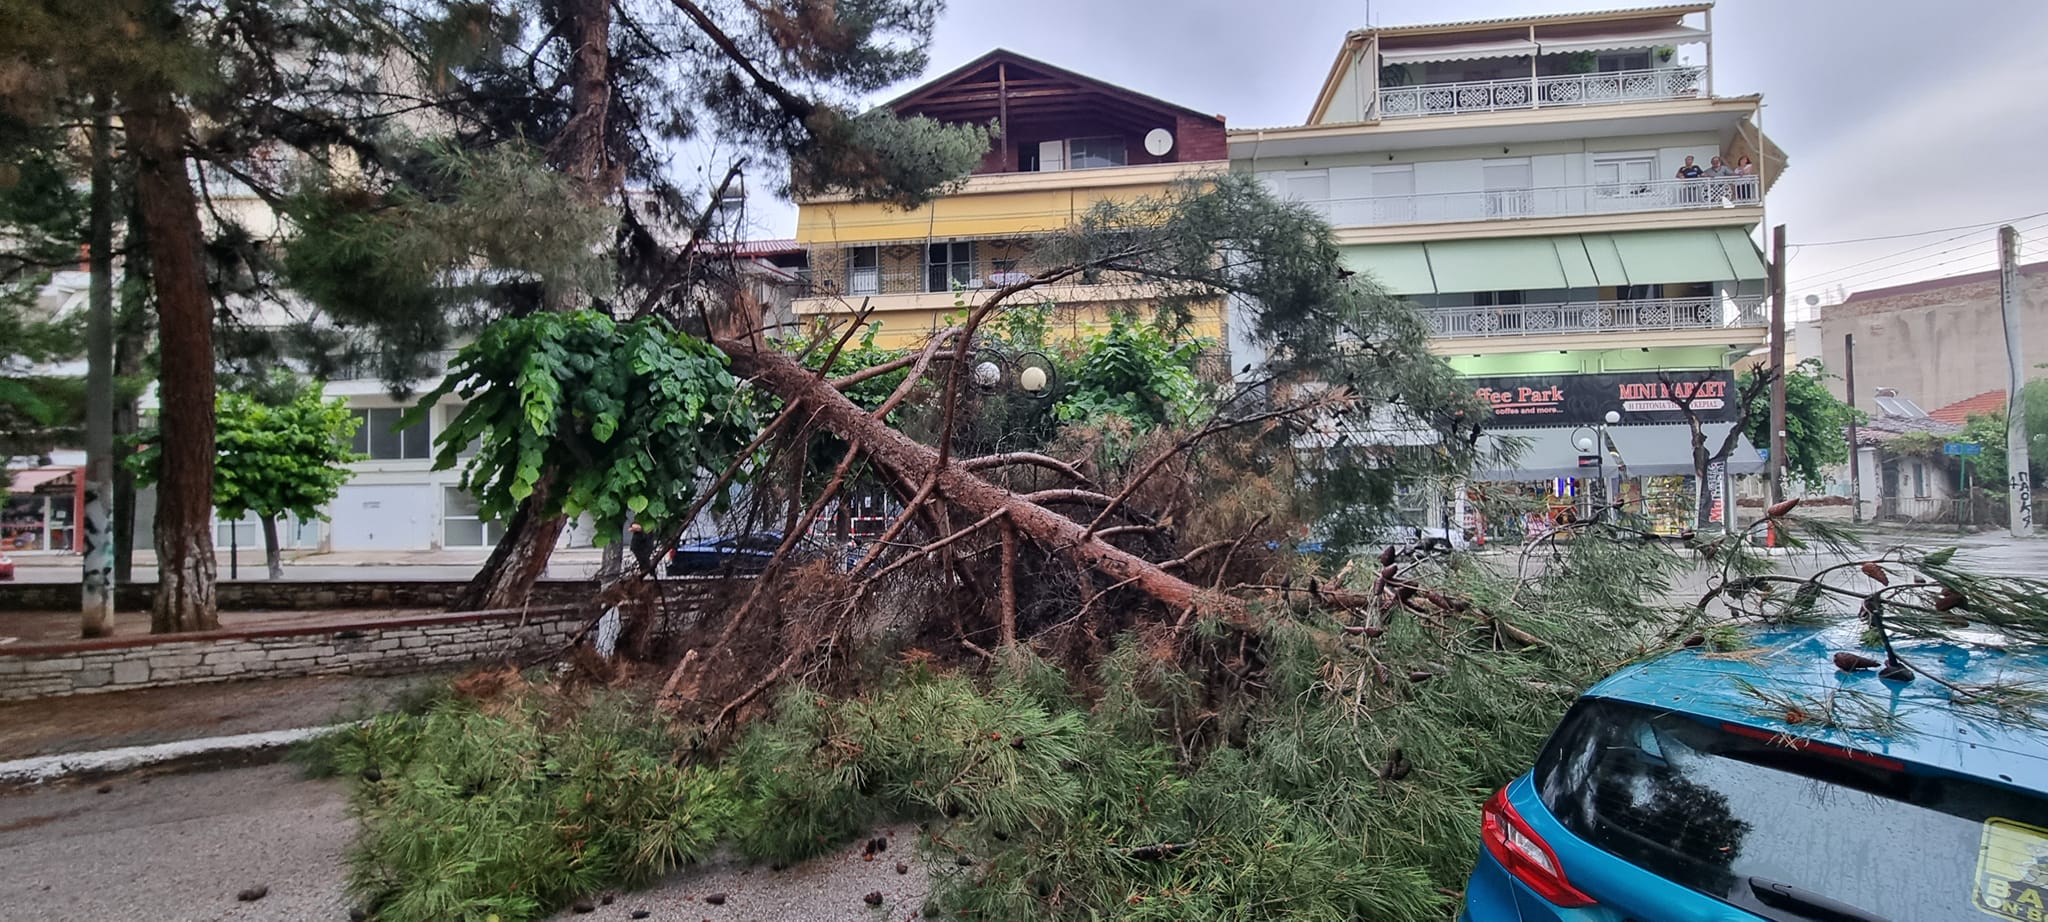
<point x="1584" y="400"/>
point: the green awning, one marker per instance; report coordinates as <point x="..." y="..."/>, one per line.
<point x="1605" y="258"/>
<point x="1577" y="266"/>
<point x="1501" y="264"/>
<point x="1742" y="254"/>
<point x="1400" y="268"/>
<point x="1685" y="255"/>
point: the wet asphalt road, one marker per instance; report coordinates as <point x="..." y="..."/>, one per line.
<point x="176" y="848"/>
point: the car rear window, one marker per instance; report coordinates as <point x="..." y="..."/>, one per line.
<point x="1793" y="832"/>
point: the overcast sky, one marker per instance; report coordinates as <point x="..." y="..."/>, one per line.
<point x="1898" y="117"/>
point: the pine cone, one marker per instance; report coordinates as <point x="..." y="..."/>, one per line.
<point x="1872" y="570"/>
<point x="1387" y="556"/>
<point x="1851" y="662"/>
<point x="1950" y="599"/>
<point x="1778" y="510"/>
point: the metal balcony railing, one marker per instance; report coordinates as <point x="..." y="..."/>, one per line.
<point x="1544" y="202"/>
<point x="1540" y="92"/>
<point x="1595" y="317"/>
<point x="863" y="282"/>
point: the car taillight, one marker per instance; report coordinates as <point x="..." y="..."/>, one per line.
<point x="1525" y="856"/>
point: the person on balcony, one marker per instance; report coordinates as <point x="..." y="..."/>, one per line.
<point x="1745" y="190"/>
<point x="1720" y="192"/>
<point x="1689" y="193"/>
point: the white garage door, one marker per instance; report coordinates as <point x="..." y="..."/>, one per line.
<point x="386" y="518"/>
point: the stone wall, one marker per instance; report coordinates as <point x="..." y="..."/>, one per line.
<point x="371" y="647"/>
<point x="288" y="595"/>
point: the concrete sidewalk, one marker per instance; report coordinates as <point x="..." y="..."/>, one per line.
<point x="49" y="738"/>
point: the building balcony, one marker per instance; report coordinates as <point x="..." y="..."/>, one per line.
<point x="1611" y="198"/>
<point x="1540" y="92"/>
<point x="937" y="288"/>
<point x="1660" y="315"/>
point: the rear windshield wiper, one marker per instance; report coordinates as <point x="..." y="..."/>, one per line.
<point x="1808" y="903"/>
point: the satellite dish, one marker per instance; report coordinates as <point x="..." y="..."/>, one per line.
<point x="1812" y="300"/>
<point x="1158" y="141"/>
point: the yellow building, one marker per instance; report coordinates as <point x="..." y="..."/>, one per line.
<point x="1066" y="141"/>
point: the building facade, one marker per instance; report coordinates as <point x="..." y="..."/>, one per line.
<point x="1528" y="183"/>
<point x="1064" y="141"/>
<point x="1941" y="340"/>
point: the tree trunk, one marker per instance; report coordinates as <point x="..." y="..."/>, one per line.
<point x="272" y="560"/>
<point x="579" y="152"/>
<point x="507" y="578"/>
<point x="97" y="604"/>
<point x="914" y="462"/>
<point x="131" y="344"/>
<point x="184" y="508"/>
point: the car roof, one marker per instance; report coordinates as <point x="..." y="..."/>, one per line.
<point x="1796" y="668"/>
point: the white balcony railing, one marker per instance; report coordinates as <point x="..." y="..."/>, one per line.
<point x="1545" y="202"/>
<point x="1595" y="317"/>
<point x="1540" y="92"/>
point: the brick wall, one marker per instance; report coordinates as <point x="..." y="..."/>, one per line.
<point x="386" y="646"/>
<point x="287" y="595"/>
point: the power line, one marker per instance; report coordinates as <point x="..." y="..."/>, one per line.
<point x="1959" y="227"/>
<point x="1892" y="261"/>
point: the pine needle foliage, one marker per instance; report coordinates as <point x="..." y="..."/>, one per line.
<point x="471" y="812"/>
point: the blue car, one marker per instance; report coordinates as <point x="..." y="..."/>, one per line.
<point x="744" y="553"/>
<point x="1702" y="787"/>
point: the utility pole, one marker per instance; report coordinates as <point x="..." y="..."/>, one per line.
<point x="1777" y="465"/>
<point x="1855" y="451"/>
<point x="2020" y="486"/>
<point x="97" y="604"/>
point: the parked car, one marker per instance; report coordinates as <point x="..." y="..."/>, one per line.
<point x="1695" y="787"/>
<point x="744" y="553"/>
<point x="6" y="567"/>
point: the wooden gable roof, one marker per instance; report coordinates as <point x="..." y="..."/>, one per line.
<point x="1030" y="89"/>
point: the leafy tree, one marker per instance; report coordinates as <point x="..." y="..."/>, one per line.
<point x="622" y="417"/>
<point x="1136" y="371"/>
<point x="275" y="459"/>
<point x="1816" y="423"/>
<point x="1989" y="430"/>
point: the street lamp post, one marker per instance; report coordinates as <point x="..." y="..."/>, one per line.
<point x="1592" y="440"/>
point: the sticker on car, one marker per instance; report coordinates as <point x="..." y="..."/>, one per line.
<point x="2012" y="871"/>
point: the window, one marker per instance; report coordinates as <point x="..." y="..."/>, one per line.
<point x="1508" y="185"/>
<point x="1919" y="480"/>
<point x="1727" y="811"/>
<point x="1393" y="194"/>
<point x="946" y="263"/>
<point x="1095" y="153"/>
<point x="864" y="271"/>
<point x="462" y="525"/>
<point x="1311" y="188"/>
<point x="1623" y="178"/>
<point x="379" y="437"/>
<point x="1624" y="60"/>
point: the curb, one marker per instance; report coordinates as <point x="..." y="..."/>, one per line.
<point x="242" y="749"/>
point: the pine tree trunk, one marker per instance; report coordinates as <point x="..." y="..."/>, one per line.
<point x="272" y="560"/>
<point x="130" y="345"/>
<point x="914" y="462"/>
<point x="184" y="510"/>
<point x="579" y="152"/>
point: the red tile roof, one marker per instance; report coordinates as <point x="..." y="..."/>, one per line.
<point x="1980" y="405"/>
